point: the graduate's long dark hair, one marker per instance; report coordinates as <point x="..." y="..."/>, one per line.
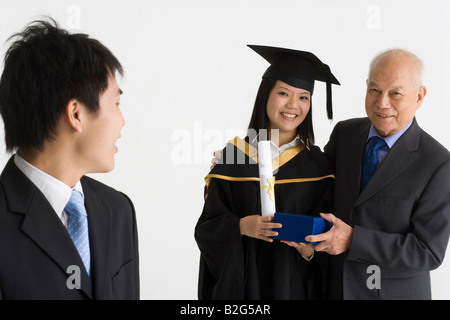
<point x="259" y="119"/>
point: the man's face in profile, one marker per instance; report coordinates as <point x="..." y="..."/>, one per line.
<point x="102" y="130"/>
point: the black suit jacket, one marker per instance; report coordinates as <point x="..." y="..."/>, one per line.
<point x="36" y="249"/>
<point x="401" y="219"/>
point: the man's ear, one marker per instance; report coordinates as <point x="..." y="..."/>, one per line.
<point x="421" y="96"/>
<point x="73" y="114"/>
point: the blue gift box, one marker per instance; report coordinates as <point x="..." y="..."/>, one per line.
<point x="297" y="226"/>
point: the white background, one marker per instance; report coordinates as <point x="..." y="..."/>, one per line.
<point x="190" y="85"/>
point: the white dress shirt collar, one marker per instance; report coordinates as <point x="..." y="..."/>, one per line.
<point x="56" y="192"/>
<point x="276" y="151"/>
<point x="390" y="140"/>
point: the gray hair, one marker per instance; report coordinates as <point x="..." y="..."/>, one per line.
<point x="416" y="61"/>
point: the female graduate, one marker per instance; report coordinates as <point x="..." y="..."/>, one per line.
<point x="239" y="259"/>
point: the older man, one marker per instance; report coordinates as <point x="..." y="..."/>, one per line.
<point x="391" y="219"/>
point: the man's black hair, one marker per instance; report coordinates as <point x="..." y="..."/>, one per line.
<point x="44" y="68"/>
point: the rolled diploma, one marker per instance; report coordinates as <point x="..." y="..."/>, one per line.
<point x="266" y="179"/>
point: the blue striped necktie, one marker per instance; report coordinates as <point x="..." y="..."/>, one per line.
<point x="370" y="161"/>
<point x="78" y="227"/>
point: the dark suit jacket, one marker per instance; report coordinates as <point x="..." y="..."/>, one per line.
<point x="36" y="249"/>
<point x="401" y="219"/>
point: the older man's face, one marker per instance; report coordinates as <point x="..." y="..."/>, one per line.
<point x="393" y="95"/>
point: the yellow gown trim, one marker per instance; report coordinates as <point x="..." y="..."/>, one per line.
<point x="283" y="181"/>
<point x="252" y="152"/>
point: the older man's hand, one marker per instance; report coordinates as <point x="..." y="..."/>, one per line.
<point x="335" y="241"/>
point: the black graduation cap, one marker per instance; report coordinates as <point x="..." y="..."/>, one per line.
<point x="297" y="68"/>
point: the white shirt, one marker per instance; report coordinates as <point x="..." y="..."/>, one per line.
<point x="276" y="151"/>
<point x="56" y="192"/>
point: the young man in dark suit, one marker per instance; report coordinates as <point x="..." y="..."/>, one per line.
<point x="391" y="217"/>
<point x="59" y="100"/>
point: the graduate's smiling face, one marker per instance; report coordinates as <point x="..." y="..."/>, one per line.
<point x="287" y="107"/>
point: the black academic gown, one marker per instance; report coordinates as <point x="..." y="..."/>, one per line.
<point x="239" y="267"/>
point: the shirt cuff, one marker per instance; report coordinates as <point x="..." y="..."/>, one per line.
<point x="308" y="258"/>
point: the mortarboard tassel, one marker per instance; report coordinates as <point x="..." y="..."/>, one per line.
<point x="329" y="102"/>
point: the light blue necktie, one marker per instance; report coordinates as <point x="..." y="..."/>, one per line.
<point x="78" y="227"/>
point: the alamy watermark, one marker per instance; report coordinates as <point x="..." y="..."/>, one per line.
<point x="74" y="280"/>
<point x="74" y="17"/>
<point x="197" y="146"/>
<point x="374" y="280"/>
<point x="373" y="21"/>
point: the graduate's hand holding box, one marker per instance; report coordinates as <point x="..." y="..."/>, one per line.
<point x="259" y="227"/>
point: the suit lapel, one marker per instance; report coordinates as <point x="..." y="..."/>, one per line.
<point x="397" y="160"/>
<point x="355" y="156"/>
<point x="41" y="223"/>
<point x="43" y="226"/>
<point x="99" y="235"/>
